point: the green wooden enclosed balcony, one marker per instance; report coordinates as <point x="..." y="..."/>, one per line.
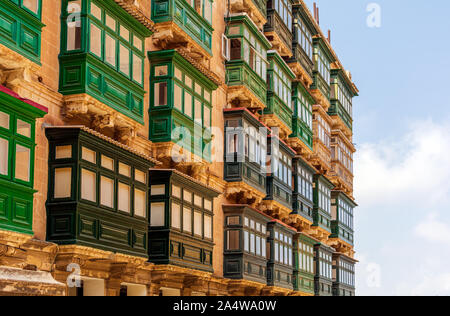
<point x="342" y="217"/>
<point x="17" y="146"/>
<point x="279" y="110"/>
<point x="279" y="26"/>
<point x="322" y="203"/>
<point x="183" y="22"/>
<point x="97" y="194"/>
<point x="302" y="136"/>
<point x="323" y="268"/>
<point x="180" y="104"/>
<point x="245" y="254"/>
<point x="181" y="221"/>
<point x="320" y="89"/>
<point x="343" y="275"/>
<point x="247" y="65"/>
<point x="102" y="55"/>
<point x="21" y="26"/>
<point x="304" y="264"/>
<point x="303" y="196"/>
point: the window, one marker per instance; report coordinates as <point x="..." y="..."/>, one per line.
<point x="254" y="237"/>
<point x="110" y="50"/>
<point x="343" y="95"/>
<point x="107" y="192"/>
<point x="324" y="198"/>
<point x="208" y="227"/>
<point x="233" y="242"/>
<point x="157" y="214"/>
<point x="306" y="257"/>
<point x="187" y="220"/>
<point x="158" y="189"/>
<point x="203" y="8"/>
<point x="139" y="203"/>
<point x="342" y="153"/>
<point x="23" y="128"/>
<point x="124" y="197"/>
<point x="322" y="64"/>
<point x="141" y="176"/>
<point x="63" y="152"/>
<point x="96" y="40"/>
<point x="32" y="5"/>
<point x="304" y="37"/>
<point x="4" y="150"/>
<point x="281" y="84"/>
<point x="4" y="120"/>
<point x="63" y="183"/>
<point x="176" y="216"/>
<point x="323" y="131"/>
<point x="124" y="170"/>
<point x="305" y="182"/>
<point x="284" y="10"/>
<point x="107" y="163"/>
<point x="304" y="107"/>
<point x="88" y="155"/>
<point x="88" y="185"/>
<point x="283" y="248"/>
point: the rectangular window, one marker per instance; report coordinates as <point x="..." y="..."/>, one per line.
<point x="124" y="33"/>
<point x="233" y="241"/>
<point x="124" y="197"/>
<point x="187" y="196"/>
<point x="246" y="241"/>
<point x="137" y="68"/>
<point x="23" y="163"/>
<point x="161" y="71"/>
<point x="4" y="120"/>
<point x="252" y="243"/>
<point x="206" y="117"/>
<point x="124" y="60"/>
<point x="208" y="226"/>
<point x="160" y="94"/>
<point x="63" y="183"/>
<point x="88" y="185"/>
<point x="208" y="205"/>
<point x="110" y="50"/>
<point x="137" y="42"/>
<point x="88" y="155"/>
<point x="23" y="128"/>
<point x="96" y="40"/>
<point x="74" y="27"/>
<point x="96" y="11"/>
<point x="63" y="152"/>
<point x="4" y="150"/>
<point x="140" y="176"/>
<point x="187" y="220"/>
<point x="176" y="191"/>
<point x="107" y="163"/>
<point x="178" y="97"/>
<point x="187" y="104"/>
<point x="32" y="5"/>
<point x="107" y="192"/>
<point x="157" y="215"/>
<point x="176" y="216"/>
<point x="139" y="203"/>
<point x="198" y="224"/>
<point x="124" y="170"/>
<point x="158" y="189"/>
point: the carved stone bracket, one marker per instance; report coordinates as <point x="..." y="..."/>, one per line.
<point x="275" y="209"/>
<point x="271" y="120"/>
<point x="301" y="74"/>
<point x="242" y="193"/>
<point x="249" y="7"/>
<point x="242" y="97"/>
<point x="278" y="44"/>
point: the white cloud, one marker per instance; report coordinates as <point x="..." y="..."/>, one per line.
<point x="434" y="230"/>
<point x="412" y="169"/>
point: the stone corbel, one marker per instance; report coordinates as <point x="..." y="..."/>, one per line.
<point x="100" y="122"/>
<point x="125" y="134"/>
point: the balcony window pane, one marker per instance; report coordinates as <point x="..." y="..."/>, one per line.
<point x="161" y="71"/>
<point x="187" y="196"/>
<point x="124" y="197"/>
<point x="110" y="22"/>
<point x="160" y="94"/>
<point x="208" y="11"/>
<point x="124" y="60"/>
<point x="187" y="104"/>
<point x="124" y="33"/>
<point x="198" y="223"/>
<point x="198" y="111"/>
<point x="176" y="191"/>
<point x="4" y="120"/>
<point x="88" y="185"/>
<point x="206" y="117"/>
<point x="233" y="220"/>
<point x="188" y="81"/>
<point x="157" y="215"/>
<point x="187" y="220"/>
<point x="233" y="240"/>
<point x="263" y="250"/>
<point x="107" y="163"/>
<point x="74" y="27"/>
<point x="23" y="128"/>
<point x="178" y="97"/>
<point x="137" y="42"/>
<point x="158" y="189"/>
<point x="246" y="241"/>
<point x="96" y="11"/>
<point x="110" y="50"/>
<point x="63" y="152"/>
<point x="258" y="245"/>
<point x="107" y="192"/>
<point x="198" y="200"/>
<point x="139" y="203"/>
<point x="137" y="68"/>
<point x="140" y="176"/>
<point x="23" y="163"/>
<point x="4" y="150"/>
<point x="176" y="216"/>
<point x="124" y="170"/>
<point x="235" y="50"/>
<point x="208" y="226"/>
<point x="208" y="205"/>
<point x="252" y="243"/>
<point x="178" y="74"/>
<point x="32" y="5"/>
<point x="96" y="40"/>
<point x="88" y="155"/>
<point x="63" y="183"/>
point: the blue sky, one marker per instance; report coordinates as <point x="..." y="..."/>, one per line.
<point x="402" y="134"/>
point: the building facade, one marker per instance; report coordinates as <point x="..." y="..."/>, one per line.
<point x="173" y="148"/>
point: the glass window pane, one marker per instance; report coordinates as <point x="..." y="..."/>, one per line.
<point x="233" y="240"/>
<point x="4" y="120"/>
<point x="23" y="128"/>
<point x="208" y="226"/>
<point x="208" y="205"/>
<point x="23" y="163"/>
<point x="63" y="183"/>
<point x="187" y="196"/>
<point x="137" y="68"/>
<point x="140" y="176"/>
<point x="96" y="40"/>
<point x="176" y="191"/>
<point x="63" y="152"/>
<point x="124" y="198"/>
<point x="198" y="111"/>
<point x="157" y="215"/>
<point x="198" y="229"/>
<point x="139" y="203"/>
<point x="124" y="60"/>
<point x="187" y="104"/>
<point x="88" y="155"/>
<point x="206" y="117"/>
<point x="187" y="220"/>
<point x="176" y="216"/>
<point x="161" y="71"/>
<point x="96" y="11"/>
<point x="198" y="200"/>
<point x="158" y="189"/>
<point x="124" y="33"/>
<point x="110" y="50"/>
<point x="178" y="97"/>
<point x="32" y="5"/>
<point x="124" y="170"/>
<point x="107" y="163"/>
<point x="4" y="150"/>
<point x="252" y="243"/>
<point x="110" y="22"/>
<point x="88" y="185"/>
<point x="160" y="94"/>
<point x="178" y="74"/>
<point x="246" y="241"/>
<point x="137" y="42"/>
<point x="107" y="192"/>
<point x="233" y="220"/>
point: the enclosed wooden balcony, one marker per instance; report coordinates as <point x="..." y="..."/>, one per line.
<point x="98" y="192"/>
<point x="341" y="173"/>
<point x="245" y="247"/>
<point x="344" y="281"/>
<point x="304" y="264"/>
<point x="321" y="228"/>
<point x="342" y="224"/>
<point x="323" y="261"/>
<point x="245" y="157"/>
<point x="323" y="59"/>
<point x="186" y="25"/>
<point x="180" y="221"/>
<point x="247" y="65"/>
<point x="280" y="268"/>
<point x="279" y="26"/>
<point x="255" y="9"/>
<point x="279" y="110"/>
<point x="278" y="202"/>
<point x="321" y="157"/>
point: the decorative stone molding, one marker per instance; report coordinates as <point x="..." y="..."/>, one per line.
<point x="342" y="247"/>
<point x="298" y="222"/>
<point x="242" y="193"/>
<point x="320" y="99"/>
<point x="135" y="11"/>
<point x="299" y="146"/>
<point x="318" y="233"/>
<point x="278" y="44"/>
<point x="275" y="209"/>
<point x="272" y="120"/>
<point x="242" y="97"/>
<point x="301" y="74"/>
<point x="249" y="7"/>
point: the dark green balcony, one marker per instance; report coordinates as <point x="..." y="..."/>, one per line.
<point x="322" y="202"/>
<point x="102" y="55"/>
<point x="97" y="194"/>
<point x="279" y="26"/>
<point x="303" y="204"/>
<point x="245" y="243"/>
<point x="280" y="268"/>
<point x="247" y="65"/>
<point x="323" y="261"/>
<point x="344" y="275"/>
<point x="194" y="17"/>
<point x="181" y="221"/>
<point x="342" y="217"/>
<point x="302" y="119"/>
<point x="17" y="147"/>
<point x="342" y="93"/>
<point x="180" y="103"/>
<point x="322" y="73"/>
<point x="304" y="264"/>
<point x="21" y="26"/>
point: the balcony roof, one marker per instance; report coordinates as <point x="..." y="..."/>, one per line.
<point x="6" y="91"/>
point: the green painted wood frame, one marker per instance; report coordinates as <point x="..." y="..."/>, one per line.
<point x="322" y="286"/>
<point x="321" y="217"/>
<point x="187" y="18"/>
<point x="338" y="228"/>
<point x="319" y="82"/>
<point x="20" y="29"/>
<point x="169" y="245"/>
<point x="301" y="205"/>
<point x="300" y="128"/>
<point x="74" y="220"/>
<point x="168" y="124"/>
<point x="83" y="72"/>
<point x="303" y="279"/>
<point x="16" y="196"/>
<point x="336" y="108"/>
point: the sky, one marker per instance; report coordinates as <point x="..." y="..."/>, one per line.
<point x="402" y="129"/>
